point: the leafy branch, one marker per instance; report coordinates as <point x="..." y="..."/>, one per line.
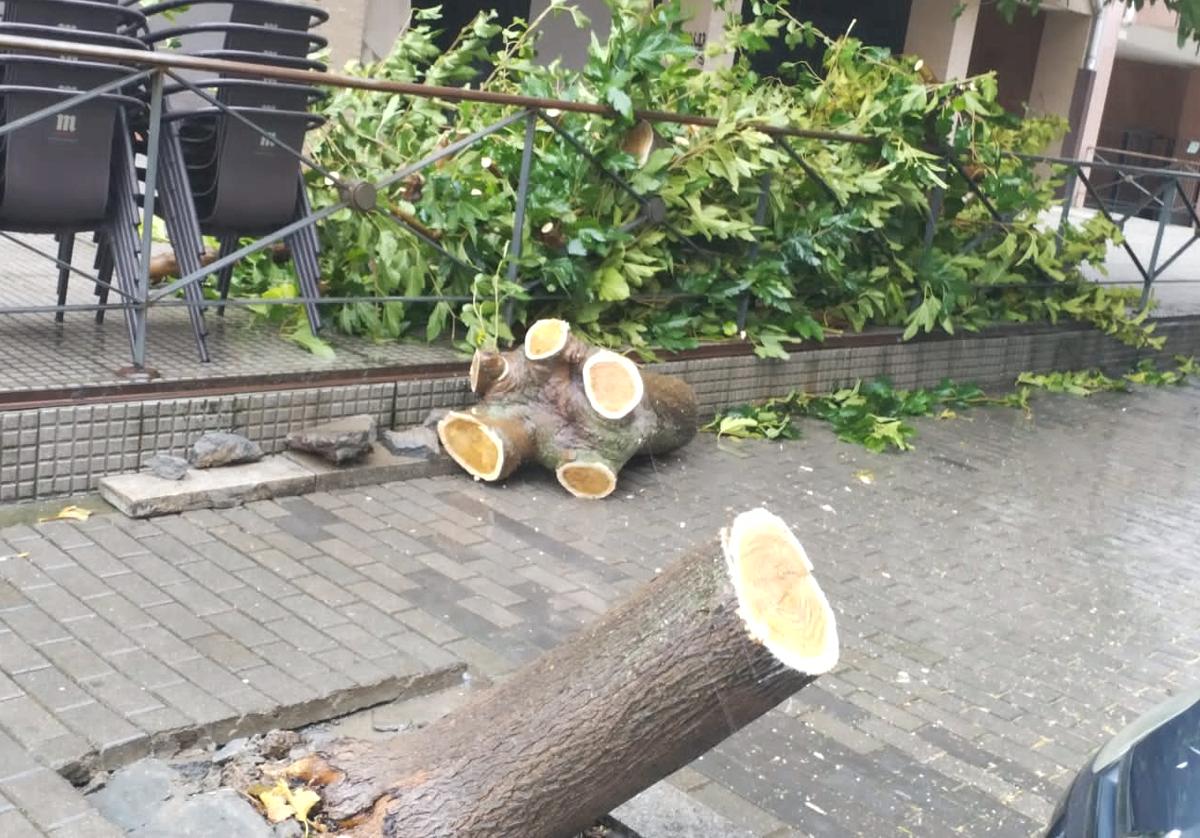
<point x="873" y="414"/>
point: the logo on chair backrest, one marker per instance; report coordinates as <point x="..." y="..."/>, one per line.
<point x="266" y="142"/>
<point x="65" y="122"/>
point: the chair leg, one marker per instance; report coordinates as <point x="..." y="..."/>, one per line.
<point x="179" y="213"/>
<point x="229" y="243"/>
<point x="104" y="272"/>
<point x="306" y="251"/>
<point x="66" y="247"/>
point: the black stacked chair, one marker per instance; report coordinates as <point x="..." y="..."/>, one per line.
<point x="237" y="139"/>
<point x="74" y="171"/>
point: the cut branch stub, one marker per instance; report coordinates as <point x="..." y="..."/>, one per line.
<point x="652" y="685"/>
<point x="613" y="384"/>
<point x="546" y="338"/>
<point x="580" y="411"/>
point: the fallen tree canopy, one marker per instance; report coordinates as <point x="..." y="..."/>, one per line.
<point x="702" y="650"/>
<point x="580" y="411"/>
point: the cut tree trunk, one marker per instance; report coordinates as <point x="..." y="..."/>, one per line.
<point x="702" y="650"/>
<point x="580" y="411"/>
<point x="165" y="265"/>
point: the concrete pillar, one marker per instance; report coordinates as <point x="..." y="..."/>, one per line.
<point x="382" y="25"/>
<point x="942" y="38"/>
<point x="344" y="29"/>
<point x="1062" y="52"/>
<point x="1188" y="131"/>
<point x="1106" y="55"/>
<point x="707" y="27"/>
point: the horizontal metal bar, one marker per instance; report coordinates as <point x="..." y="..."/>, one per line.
<point x="420" y="299"/>
<point x="412" y="229"/>
<point x="450" y="150"/>
<point x="70" y="102"/>
<point x="60" y="263"/>
<point x="254" y="246"/>
<point x="179" y="61"/>
<point x="1099" y="164"/>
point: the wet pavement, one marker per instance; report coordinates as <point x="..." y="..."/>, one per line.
<point x="1009" y="595"/>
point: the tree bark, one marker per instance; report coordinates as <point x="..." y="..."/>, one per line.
<point x="655" y="683"/>
<point x="580" y="411"/>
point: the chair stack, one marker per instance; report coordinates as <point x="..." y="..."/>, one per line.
<point x="57" y="174"/>
<point x="74" y="171"/>
<point x="238" y="136"/>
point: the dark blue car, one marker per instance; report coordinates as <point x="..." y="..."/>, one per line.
<point x="1145" y="782"/>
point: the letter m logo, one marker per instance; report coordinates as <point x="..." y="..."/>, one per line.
<point x="65" y="122"/>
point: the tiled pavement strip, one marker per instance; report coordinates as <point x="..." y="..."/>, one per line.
<point x="1009" y="594"/>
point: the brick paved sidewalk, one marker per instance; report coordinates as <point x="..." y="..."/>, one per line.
<point x="1009" y="594"/>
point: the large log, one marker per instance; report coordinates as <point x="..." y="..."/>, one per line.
<point x="580" y="411"/>
<point x="701" y="651"/>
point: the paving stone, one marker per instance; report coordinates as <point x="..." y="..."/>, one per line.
<point x="179" y="620"/>
<point x="12" y="822"/>
<point x="100" y="636"/>
<point x="87" y="825"/>
<point x="226" y="652"/>
<point x="52" y="689"/>
<point x="192" y="701"/>
<point x="19" y="656"/>
<point x="44" y="796"/>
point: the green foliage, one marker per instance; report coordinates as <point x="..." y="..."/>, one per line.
<point x="873" y="414"/>
<point x="1081" y="383"/>
<point x="843" y="253"/>
<point x="1147" y="373"/>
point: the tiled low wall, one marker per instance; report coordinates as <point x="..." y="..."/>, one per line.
<point x="65" y="450"/>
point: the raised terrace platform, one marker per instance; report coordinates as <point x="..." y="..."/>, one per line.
<point x="69" y="415"/>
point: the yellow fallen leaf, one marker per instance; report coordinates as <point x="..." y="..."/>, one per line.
<point x="947" y="414"/>
<point x="865" y="476"/>
<point x="68" y="513"/>
<point x="303" y="800"/>
<point x="277" y="802"/>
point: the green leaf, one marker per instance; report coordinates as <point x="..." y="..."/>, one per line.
<point x="303" y="335"/>
<point x="620" y="101"/>
<point x="612" y="285"/>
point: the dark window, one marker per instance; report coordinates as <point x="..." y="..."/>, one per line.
<point x="456" y="14"/>
<point x="880" y="23"/>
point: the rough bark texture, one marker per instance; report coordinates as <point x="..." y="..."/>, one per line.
<point x="542" y="410"/>
<point x="652" y="685"/>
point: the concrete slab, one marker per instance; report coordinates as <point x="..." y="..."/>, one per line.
<point x="142" y="495"/>
<point x="379" y="466"/>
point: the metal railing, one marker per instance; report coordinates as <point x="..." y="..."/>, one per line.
<point x="1173" y="196"/>
<point x="1139" y="194"/>
<point x="355" y="195"/>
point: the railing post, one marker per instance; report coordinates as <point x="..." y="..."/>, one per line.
<point x="760" y="216"/>
<point x="1166" y="202"/>
<point x="142" y="304"/>
<point x="1065" y="217"/>
<point x="514" y="251"/>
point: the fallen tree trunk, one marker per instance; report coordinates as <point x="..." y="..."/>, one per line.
<point x="580" y="411"/>
<point x="702" y="650"/>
